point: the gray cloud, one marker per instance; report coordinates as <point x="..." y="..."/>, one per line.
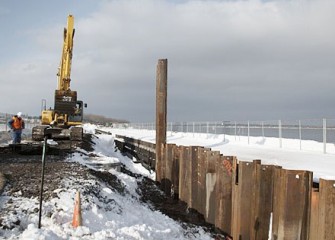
<point x="234" y="60"/>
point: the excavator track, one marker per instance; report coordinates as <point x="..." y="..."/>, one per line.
<point x="73" y="133"/>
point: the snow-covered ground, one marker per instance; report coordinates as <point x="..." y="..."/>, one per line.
<point x="109" y="216"/>
<point x="268" y="150"/>
<point x="124" y="216"/>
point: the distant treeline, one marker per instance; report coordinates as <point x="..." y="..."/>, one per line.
<point x="99" y="119"/>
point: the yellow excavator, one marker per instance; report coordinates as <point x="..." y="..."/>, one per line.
<point x="66" y="118"/>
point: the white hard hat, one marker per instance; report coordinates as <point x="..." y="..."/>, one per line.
<point x="19" y="114"/>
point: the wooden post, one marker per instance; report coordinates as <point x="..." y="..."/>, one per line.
<point x="161" y="115"/>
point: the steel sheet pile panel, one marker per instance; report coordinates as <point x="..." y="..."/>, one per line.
<point x="194" y="201"/>
<point x="327" y="209"/>
<point x="185" y="174"/>
<point x="314" y="225"/>
<point x="223" y="189"/>
<point x="201" y="178"/>
<point x="291" y="204"/>
<point x="175" y="171"/>
<point x="242" y="201"/>
<point x="167" y="168"/>
<point x="212" y="158"/>
<point x="162" y="165"/>
<point x="262" y="200"/>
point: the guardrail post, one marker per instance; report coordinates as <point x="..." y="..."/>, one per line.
<point x="161" y="109"/>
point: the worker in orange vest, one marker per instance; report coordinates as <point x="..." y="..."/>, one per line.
<point x="16" y="124"/>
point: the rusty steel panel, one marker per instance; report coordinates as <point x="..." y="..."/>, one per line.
<point x="175" y="172"/>
<point x="163" y="164"/>
<point x="161" y="113"/>
<point x="224" y="181"/>
<point x="212" y="158"/>
<point x="235" y="198"/>
<point x="194" y="201"/>
<point x="201" y="178"/>
<point x="291" y="204"/>
<point x="327" y="209"/>
<point x="262" y="200"/>
<point x="314" y="226"/>
<point x="243" y="200"/>
<point x="184" y="174"/>
<point x="167" y="168"/>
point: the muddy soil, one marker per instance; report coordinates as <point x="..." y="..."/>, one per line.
<point x="23" y="174"/>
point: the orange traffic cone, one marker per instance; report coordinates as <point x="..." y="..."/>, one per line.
<point x="77" y="220"/>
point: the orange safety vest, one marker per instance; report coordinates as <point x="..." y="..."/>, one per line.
<point x="17" y="123"/>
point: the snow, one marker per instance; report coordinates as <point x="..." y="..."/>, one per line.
<point x="111" y="215"/>
<point x="268" y="149"/>
<point x="107" y="214"/>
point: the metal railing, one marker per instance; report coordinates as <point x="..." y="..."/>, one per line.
<point x="319" y="130"/>
<point x="30" y="122"/>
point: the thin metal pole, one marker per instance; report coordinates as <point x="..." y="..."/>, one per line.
<point x="42" y="181"/>
<point x="248" y="132"/>
<point x="324" y="135"/>
<point x="193" y="129"/>
<point x="300" y="133"/>
<point x="235" y="130"/>
<point x="280" y="133"/>
<point x="263" y="129"/>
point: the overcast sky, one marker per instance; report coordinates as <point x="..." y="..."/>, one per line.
<point x="227" y="60"/>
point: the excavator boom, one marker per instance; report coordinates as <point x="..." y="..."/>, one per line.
<point x="64" y="71"/>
